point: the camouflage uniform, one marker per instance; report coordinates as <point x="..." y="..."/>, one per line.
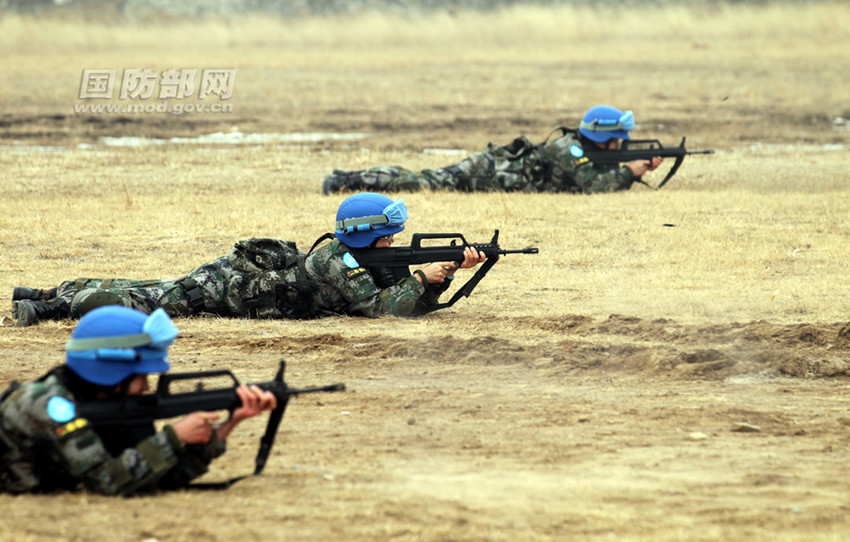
<point x="553" y="166"/>
<point x="329" y="281"/>
<point x="343" y="286"/>
<point x="202" y="290"/>
<point x="40" y="454"/>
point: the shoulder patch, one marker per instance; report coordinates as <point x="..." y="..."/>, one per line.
<point x="351" y="273"/>
<point x="60" y="409"/>
<point x="350" y="261"/>
<point x="71" y="426"/>
<point x="580" y="161"/>
<point x="576" y="151"/>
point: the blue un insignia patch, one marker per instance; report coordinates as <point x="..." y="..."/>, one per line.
<point x="60" y="409"/>
<point x="350" y="261"/>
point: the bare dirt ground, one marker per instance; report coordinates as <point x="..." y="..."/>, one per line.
<point x="633" y="381"/>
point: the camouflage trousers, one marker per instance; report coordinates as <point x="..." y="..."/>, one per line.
<point x="496" y="169"/>
<point x="203" y="290"/>
<point x="215" y="288"/>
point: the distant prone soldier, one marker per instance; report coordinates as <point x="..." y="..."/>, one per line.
<point x="564" y="164"/>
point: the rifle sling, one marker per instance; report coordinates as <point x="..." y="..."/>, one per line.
<point x="467" y="287"/>
<point x="206" y="486"/>
<point x="319" y="240"/>
<point x="641" y="181"/>
<point x="676" y="164"/>
<point x="562" y="129"/>
<point x="262" y="454"/>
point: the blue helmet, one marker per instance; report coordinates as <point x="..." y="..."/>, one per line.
<point x="603" y="122"/>
<point x="111" y="343"/>
<point x="364" y="217"/>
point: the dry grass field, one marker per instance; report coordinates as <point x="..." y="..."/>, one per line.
<point x="590" y="392"/>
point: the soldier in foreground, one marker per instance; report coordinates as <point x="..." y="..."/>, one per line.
<point x="267" y="278"/>
<point x="560" y="165"/>
<point x="46" y="446"/>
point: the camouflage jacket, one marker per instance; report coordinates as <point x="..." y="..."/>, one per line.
<point x="44" y="447"/>
<point x="560" y="165"/>
<point x="342" y="285"/>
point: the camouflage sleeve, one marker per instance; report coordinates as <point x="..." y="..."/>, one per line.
<point x="384" y="278"/>
<point x="367" y="299"/>
<point x="573" y="172"/>
<point x="432" y="295"/>
<point x="357" y="286"/>
<point x="45" y="417"/>
<point x="592" y="179"/>
<point x="158" y="462"/>
<point x="193" y="462"/>
<point x="342" y="285"/>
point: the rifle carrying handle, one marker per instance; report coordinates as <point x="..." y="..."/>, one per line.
<point x="165" y="379"/>
<point x="416" y="242"/>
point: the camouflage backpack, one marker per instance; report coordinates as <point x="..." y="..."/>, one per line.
<point x="257" y="254"/>
<point x="269" y="280"/>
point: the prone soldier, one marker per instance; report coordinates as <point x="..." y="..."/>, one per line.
<point x="269" y="278"/>
<point x="46" y="445"/>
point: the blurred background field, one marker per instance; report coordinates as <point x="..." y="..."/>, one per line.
<point x="726" y="75"/>
<point x="647" y="316"/>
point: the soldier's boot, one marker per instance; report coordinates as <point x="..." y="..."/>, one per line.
<point x="22" y="292"/>
<point x="29" y="312"/>
<point x="339" y="180"/>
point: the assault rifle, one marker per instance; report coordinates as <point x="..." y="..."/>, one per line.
<point x="647" y="149"/>
<point x="144" y="409"/>
<point x="397" y="259"/>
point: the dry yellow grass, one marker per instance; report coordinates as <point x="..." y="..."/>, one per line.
<point x="733" y="254"/>
<point x="528" y="411"/>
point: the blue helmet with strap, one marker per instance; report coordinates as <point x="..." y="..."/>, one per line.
<point x="602" y="123"/>
<point x="366" y="216"/>
<point x="111" y="343"/>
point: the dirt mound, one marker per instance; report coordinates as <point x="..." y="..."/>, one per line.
<point x="574" y="345"/>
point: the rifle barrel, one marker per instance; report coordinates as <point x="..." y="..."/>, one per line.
<point x="532" y="250"/>
<point x="330" y="387"/>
